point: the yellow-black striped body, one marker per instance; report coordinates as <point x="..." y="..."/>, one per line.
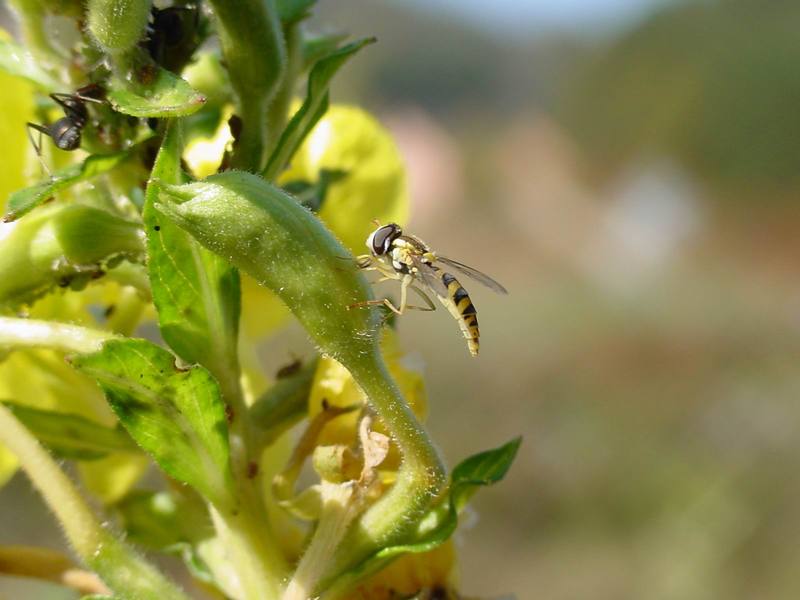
<point x="463" y="310"/>
<point x="411" y="261"/>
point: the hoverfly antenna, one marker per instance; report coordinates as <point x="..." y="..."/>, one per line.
<point x="376" y="222"/>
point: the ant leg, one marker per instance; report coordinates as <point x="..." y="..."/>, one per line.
<point x="38" y="147"/>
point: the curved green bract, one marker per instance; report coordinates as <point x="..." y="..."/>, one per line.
<point x="270" y="236"/>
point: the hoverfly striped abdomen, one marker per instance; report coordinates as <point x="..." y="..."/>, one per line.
<point x="412" y="262"/>
<point x="462" y="308"/>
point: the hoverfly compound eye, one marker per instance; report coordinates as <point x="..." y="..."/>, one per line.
<point x="380" y="241"/>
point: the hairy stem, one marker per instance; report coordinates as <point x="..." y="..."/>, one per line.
<point x="31" y="333"/>
<point x="124" y="571"/>
<point x="420" y="479"/>
<point x="255" y="56"/>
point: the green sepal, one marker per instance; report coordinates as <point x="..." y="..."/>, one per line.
<point x="312" y="195"/>
<point x="174" y="413"/>
<point x="72" y="436"/>
<point x="313" y="108"/>
<point x="25" y="200"/>
<point x="148" y="90"/>
<point x="482" y="469"/>
<point x="17" y="61"/>
<point x="196" y="292"/>
<point x="291" y="11"/>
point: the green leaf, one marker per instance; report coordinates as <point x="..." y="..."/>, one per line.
<point x="175" y="414"/>
<point x="485" y="468"/>
<point x="291" y="11"/>
<point x="72" y="436"/>
<point x="314" y="106"/>
<point x="17" y="61"/>
<point x="282" y="405"/>
<point x="317" y="47"/>
<point x="154" y="92"/>
<point x="164" y="521"/>
<point x="25" y="200"/>
<point x="312" y="195"/>
<point x="196" y="292"/>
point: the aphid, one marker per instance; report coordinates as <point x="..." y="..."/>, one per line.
<point x="411" y="261"/>
<point x="66" y="131"/>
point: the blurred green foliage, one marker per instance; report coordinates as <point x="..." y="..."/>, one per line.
<point x="713" y="84"/>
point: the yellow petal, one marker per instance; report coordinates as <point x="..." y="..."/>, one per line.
<point x="348" y="138"/>
<point x="16" y="108"/>
<point x="412" y="574"/>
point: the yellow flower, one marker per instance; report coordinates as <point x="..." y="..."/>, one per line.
<point x="349" y="139"/>
<point x="425" y="575"/>
<point x="16" y="108"/>
<point x="333" y="383"/>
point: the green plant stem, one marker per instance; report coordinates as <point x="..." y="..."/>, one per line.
<point x="420" y="479"/>
<point x="259" y="565"/>
<point x="125" y="572"/>
<point x="278" y="113"/>
<point x="255" y="56"/>
<point x="341" y="503"/>
<point x="31" y="333"/>
<point x="256" y="556"/>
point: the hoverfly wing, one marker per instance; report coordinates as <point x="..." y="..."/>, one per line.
<point x="430" y="277"/>
<point x="474" y="274"/>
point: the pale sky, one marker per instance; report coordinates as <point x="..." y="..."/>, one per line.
<point x="523" y="16"/>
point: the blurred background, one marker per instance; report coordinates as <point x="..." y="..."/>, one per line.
<point x="630" y="170"/>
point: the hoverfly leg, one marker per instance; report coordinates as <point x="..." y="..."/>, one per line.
<point x="430" y="305"/>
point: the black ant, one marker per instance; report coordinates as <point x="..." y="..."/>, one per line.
<point x="66" y="131"/>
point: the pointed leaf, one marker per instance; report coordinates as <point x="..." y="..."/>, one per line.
<point x="196" y="292"/>
<point x="175" y="414"/>
<point x="25" y="200"/>
<point x="485" y="468"/>
<point x="314" y="106"/>
<point x="154" y="92"/>
<point x="291" y="11"/>
<point x="72" y="436"/>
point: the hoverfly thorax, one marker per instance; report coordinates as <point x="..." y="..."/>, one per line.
<point x="380" y="241"/>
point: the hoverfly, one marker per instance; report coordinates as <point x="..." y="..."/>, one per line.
<point x="411" y="261"/>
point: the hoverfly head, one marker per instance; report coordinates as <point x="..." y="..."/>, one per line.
<point x="380" y="241"/>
